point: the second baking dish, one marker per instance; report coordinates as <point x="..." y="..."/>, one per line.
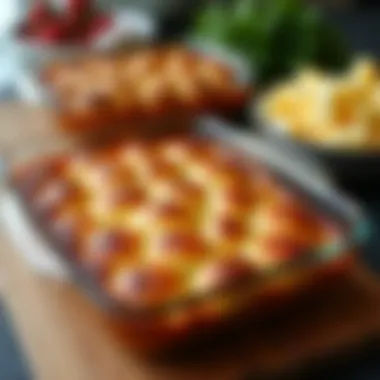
<point x="178" y="237"/>
<point x="146" y="85"/>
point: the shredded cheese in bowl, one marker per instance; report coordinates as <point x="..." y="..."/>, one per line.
<point x="334" y="111"/>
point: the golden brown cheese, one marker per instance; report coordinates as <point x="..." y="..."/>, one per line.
<point x="143" y="85"/>
<point x="157" y="221"/>
<point x="335" y="111"/>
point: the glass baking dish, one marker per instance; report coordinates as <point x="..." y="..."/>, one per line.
<point x="194" y="318"/>
<point x="166" y="117"/>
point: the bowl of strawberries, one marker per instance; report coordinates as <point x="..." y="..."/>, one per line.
<point x="53" y="28"/>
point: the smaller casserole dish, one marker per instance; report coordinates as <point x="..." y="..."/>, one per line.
<point x="181" y="237"/>
<point x="148" y="85"/>
<point x="335" y="117"/>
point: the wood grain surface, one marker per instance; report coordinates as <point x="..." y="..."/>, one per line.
<point x="66" y="338"/>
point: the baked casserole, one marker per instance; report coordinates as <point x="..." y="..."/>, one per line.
<point x="142" y="86"/>
<point x="157" y="222"/>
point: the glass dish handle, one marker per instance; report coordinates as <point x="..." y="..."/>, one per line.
<point x="21" y="233"/>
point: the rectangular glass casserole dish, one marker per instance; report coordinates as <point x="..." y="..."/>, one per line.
<point x="142" y="85"/>
<point x="182" y="291"/>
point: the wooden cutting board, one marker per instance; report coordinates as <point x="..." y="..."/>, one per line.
<point x="66" y="338"/>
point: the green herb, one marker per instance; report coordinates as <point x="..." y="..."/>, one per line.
<point x="276" y="36"/>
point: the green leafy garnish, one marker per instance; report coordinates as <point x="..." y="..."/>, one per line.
<point x="275" y="36"/>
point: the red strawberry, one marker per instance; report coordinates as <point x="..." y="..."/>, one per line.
<point x="52" y="33"/>
<point x="38" y="13"/>
<point x="78" y="15"/>
<point x="73" y="27"/>
<point x="79" y="8"/>
<point x="97" y="26"/>
<point x="36" y="17"/>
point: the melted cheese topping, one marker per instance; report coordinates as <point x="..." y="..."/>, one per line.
<point x="156" y="221"/>
<point x="145" y="82"/>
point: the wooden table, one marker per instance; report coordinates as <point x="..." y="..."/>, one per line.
<point x="65" y="337"/>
